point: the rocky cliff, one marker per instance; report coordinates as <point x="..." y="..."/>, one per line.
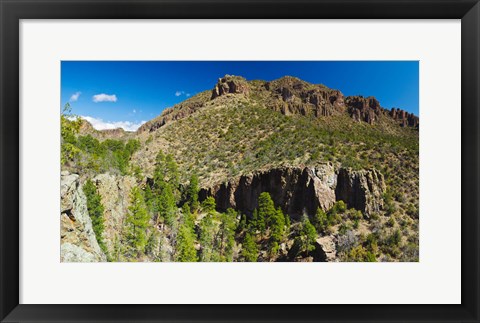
<point x="77" y="238"/>
<point x="298" y="190"/>
<point x="115" y="194"/>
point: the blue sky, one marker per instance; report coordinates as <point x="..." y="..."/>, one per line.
<point x="126" y="93"/>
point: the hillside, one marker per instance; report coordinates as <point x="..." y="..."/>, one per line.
<point x="318" y="155"/>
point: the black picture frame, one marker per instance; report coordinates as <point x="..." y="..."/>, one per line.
<point x="12" y="11"/>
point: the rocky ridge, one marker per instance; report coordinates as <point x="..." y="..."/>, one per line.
<point x="288" y="95"/>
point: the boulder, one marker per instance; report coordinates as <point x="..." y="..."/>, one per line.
<point x="325" y="249"/>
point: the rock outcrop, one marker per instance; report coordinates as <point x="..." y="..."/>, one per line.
<point x="301" y="190"/>
<point x="325" y="249"/>
<point x="295" y="190"/>
<point x="404" y="118"/>
<point x="362" y="190"/>
<point x="364" y="109"/>
<point x="115" y="194"/>
<point x="77" y="238"/>
<point x="230" y="84"/>
<point x="294" y="96"/>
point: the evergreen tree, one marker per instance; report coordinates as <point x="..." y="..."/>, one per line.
<point x="207" y="238"/>
<point x="309" y="235"/>
<point x="242" y="225"/>
<point x="320" y="220"/>
<point x="192" y="193"/>
<point x="249" y="249"/>
<point x="277" y="226"/>
<point x="266" y="211"/>
<point x="209" y="204"/>
<point x="226" y="235"/>
<point x="95" y="211"/>
<point x="185" y="249"/>
<point x="166" y="205"/>
<point x="166" y="171"/>
<point x="188" y="218"/>
<point x="137" y="222"/>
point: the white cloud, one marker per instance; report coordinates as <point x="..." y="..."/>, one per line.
<point x="188" y="94"/>
<point x="99" y="124"/>
<point x="178" y="93"/>
<point x="104" y="98"/>
<point x="75" y="96"/>
<point x="134" y="111"/>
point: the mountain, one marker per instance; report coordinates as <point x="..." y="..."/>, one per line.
<point x="312" y="149"/>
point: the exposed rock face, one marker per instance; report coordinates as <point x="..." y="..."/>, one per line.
<point x="298" y="190"/>
<point x="325" y="249"/>
<point x="364" y="109"/>
<point x="298" y="97"/>
<point x="87" y="129"/>
<point x="177" y="112"/>
<point x="404" y="118"/>
<point x="115" y="193"/>
<point x="230" y="84"/>
<point x="288" y="95"/>
<point x="362" y="190"/>
<point x="77" y="238"/>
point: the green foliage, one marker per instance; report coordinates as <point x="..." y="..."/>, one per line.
<point x="360" y="254"/>
<point x="185" y="249"/>
<point x="207" y="236"/>
<point x="390" y="207"/>
<point x="209" y="205"/>
<point x="69" y="127"/>
<point x="95" y="211"/>
<point x="166" y="170"/>
<point x="277" y="228"/>
<point x="226" y="236"/>
<point x="192" y="192"/>
<point x="165" y="206"/>
<point x="137" y="223"/>
<point x="249" y="249"/>
<point x="308" y="236"/>
<point x="320" y="221"/>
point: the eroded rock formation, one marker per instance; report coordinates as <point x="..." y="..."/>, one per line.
<point x="230" y="84"/>
<point x="404" y="118"/>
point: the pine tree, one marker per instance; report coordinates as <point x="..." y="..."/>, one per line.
<point x="95" y="211"/>
<point x="278" y="226"/>
<point x="207" y="238"/>
<point x="226" y="235"/>
<point x="185" y="249"/>
<point x="166" y="205"/>
<point x="249" y="249"/>
<point x="209" y="204"/>
<point x="320" y="220"/>
<point x="309" y="235"/>
<point x="192" y="192"/>
<point x="266" y="211"/>
<point x="137" y="222"/>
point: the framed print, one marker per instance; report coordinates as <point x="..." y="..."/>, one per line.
<point x="239" y="161"/>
